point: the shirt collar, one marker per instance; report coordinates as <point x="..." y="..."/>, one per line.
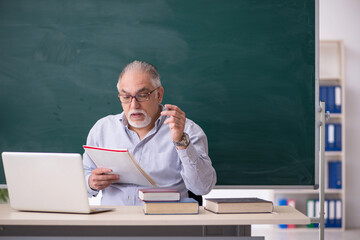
<point x="123" y="119"/>
<point x="161" y="119"/>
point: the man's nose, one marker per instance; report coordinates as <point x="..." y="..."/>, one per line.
<point x="134" y="103"/>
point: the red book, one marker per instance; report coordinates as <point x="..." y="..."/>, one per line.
<point x="291" y="202"/>
<point x="158" y="194"/>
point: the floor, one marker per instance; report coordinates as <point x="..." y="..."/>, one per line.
<point x="272" y="233"/>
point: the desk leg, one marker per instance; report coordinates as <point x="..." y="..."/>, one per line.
<point x="236" y="230"/>
<point x="244" y="230"/>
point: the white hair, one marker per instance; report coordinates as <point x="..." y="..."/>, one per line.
<point x="142" y="66"/>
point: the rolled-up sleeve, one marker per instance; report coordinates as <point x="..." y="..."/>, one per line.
<point x="88" y="164"/>
<point x="197" y="170"/>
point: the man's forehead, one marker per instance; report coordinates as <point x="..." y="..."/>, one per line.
<point x="135" y="80"/>
<point x="125" y="90"/>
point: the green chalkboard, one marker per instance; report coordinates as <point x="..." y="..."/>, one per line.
<point x="244" y="70"/>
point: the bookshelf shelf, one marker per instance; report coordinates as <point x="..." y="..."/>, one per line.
<point x="330" y="81"/>
<point x="334" y="154"/>
<point x="336" y="116"/>
<point x="303" y="229"/>
<point x="331" y="69"/>
<point x="333" y="191"/>
<point x="308" y="191"/>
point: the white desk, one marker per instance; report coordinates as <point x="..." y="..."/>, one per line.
<point x="131" y="221"/>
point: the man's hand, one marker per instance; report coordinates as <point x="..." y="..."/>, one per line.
<point x="176" y="120"/>
<point x="100" y="178"/>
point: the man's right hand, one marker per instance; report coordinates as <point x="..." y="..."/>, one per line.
<point x="101" y="178"/>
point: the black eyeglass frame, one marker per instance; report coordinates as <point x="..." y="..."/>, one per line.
<point x="136" y="95"/>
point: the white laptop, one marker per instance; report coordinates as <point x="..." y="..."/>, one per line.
<point x="48" y="182"/>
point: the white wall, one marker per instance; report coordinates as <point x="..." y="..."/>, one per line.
<point x="340" y="19"/>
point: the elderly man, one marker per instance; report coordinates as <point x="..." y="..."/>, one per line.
<point x="169" y="147"/>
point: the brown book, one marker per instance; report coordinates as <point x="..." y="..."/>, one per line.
<point x="238" y="205"/>
<point x="183" y="206"/>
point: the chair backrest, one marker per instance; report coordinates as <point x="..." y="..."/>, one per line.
<point x="196" y="197"/>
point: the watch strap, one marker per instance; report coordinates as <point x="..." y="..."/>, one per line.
<point x="184" y="142"/>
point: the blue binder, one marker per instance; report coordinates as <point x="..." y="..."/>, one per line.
<point x="337" y="99"/>
<point x="326" y="138"/>
<point x="323" y="96"/>
<point x="310" y="211"/>
<point x="317" y="211"/>
<point x="326" y="210"/>
<point x="334" y="172"/>
<point x="332" y="213"/>
<point x="331" y="98"/>
<point x="338" y="137"/>
<point x="338" y="213"/>
<point x="330" y="137"/>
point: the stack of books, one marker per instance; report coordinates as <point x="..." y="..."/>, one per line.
<point x="166" y="201"/>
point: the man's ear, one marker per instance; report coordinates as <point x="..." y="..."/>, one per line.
<point x="160" y="94"/>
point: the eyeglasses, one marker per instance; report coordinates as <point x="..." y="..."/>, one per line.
<point x="140" y="97"/>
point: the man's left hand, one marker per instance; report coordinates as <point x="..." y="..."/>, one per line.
<point x="176" y="120"/>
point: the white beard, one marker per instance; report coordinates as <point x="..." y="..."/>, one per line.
<point x="141" y="124"/>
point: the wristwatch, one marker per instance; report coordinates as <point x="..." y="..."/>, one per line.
<point x="184" y="142"/>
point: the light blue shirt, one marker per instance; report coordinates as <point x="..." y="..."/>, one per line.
<point x="183" y="170"/>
